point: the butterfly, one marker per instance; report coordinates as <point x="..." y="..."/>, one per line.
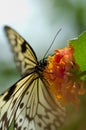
<point x="29" y="104"/>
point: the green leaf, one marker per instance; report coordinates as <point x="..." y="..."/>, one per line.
<point x="79" y="45"/>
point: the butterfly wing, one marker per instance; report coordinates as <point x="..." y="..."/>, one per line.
<point x="31" y="106"/>
<point x="38" y="110"/>
<point x="10" y="100"/>
<point x="24" y="56"/>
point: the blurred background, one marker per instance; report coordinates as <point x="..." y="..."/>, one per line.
<point x="38" y="21"/>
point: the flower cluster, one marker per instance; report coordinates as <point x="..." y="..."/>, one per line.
<point x="62" y="74"/>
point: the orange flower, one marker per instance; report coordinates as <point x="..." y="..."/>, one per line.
<point x="61" y="73"/>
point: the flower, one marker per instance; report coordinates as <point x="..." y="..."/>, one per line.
<point x="62" y="74"/>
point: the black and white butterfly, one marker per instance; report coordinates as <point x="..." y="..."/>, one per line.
<point x="29" y="103"/>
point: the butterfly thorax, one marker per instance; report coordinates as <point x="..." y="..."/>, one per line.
<point x="38" y="69"/>
<point x="41" y="66"/>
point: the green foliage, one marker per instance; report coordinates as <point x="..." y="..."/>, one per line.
<point x="79" y="45"/>
<point x="12" y="126"/>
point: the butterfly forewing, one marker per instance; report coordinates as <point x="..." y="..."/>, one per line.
<point x="28" y="103"/>
<point x="24" y="55"/>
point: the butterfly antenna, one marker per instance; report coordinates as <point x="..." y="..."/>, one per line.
<point x="52" y="42"/>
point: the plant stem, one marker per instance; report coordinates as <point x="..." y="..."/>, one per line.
<point x="82" y="74"/>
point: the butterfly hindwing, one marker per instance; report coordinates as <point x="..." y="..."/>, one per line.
<point x="24" y="55"/>
<point x="9" y="103"/>
<point x="37" y="109"/>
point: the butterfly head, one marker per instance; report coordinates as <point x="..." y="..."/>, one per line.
<point x="41" y="65"/>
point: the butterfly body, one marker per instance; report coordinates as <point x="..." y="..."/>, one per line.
<point x="29" y="103"/>
<point x="41" y="65"/>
